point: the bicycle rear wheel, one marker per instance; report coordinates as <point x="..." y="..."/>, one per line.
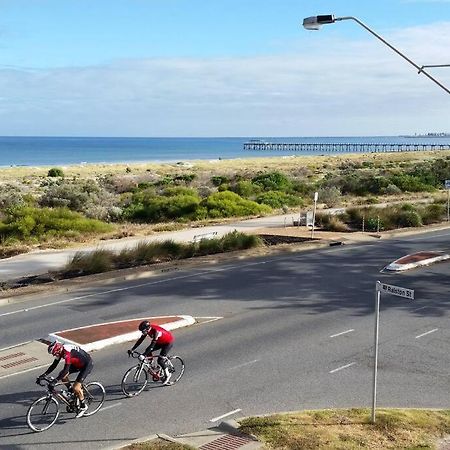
<point x="94" y="396"/>
<point x="176" y="366"/>
<point x="134" y="381"/>
<point x="43" y="413"/>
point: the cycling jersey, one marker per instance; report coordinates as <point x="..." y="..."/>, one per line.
<point x="160" y="336"/>
<point x="75" y="360"/>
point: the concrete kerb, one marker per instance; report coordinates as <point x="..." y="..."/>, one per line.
<point x="126" y="337"/>
<point x="397" y="267"/>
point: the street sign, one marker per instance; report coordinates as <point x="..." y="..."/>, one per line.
<point x="447" y="184"/>
<point x="395" y="290"/>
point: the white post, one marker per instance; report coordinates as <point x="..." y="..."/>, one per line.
<point x="448" y="205"/>
<point x="375" y="353"/>
<point x="316" y="196"/>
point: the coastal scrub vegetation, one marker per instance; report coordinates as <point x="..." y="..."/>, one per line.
<point x="71" y="204"/>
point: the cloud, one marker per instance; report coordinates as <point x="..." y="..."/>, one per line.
<point x="327" y="86"/>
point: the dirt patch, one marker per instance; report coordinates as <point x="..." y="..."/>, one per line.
<point x="276" y="239"/>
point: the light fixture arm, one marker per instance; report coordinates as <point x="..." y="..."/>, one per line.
<point x="420" y="69"/>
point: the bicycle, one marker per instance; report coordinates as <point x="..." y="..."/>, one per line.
<point x="136" y="378"/>
<point x="44" y="412"/>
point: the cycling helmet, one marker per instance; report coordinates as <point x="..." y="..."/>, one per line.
<point x="144" y="326"/>
<point x="55" y="348"/>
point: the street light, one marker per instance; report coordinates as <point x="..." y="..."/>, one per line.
<point x="315" y="22"/>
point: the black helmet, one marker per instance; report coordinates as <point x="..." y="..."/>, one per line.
<point x="144" y="326"/>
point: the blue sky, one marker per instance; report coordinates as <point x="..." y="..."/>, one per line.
<point x="220" y="68"/>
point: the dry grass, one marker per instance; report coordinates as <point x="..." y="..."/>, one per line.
<point x="158" y="444"/>
<point x="351" y="429"/>
<point x="315" y="164"/>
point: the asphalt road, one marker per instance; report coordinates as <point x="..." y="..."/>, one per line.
<point x="297" y="332"/>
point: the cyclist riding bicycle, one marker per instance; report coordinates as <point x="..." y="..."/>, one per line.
<point x="75" y="360"/>
<point x="161" y="340"/>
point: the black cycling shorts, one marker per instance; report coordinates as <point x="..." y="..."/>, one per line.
<point x="84" y="372"/>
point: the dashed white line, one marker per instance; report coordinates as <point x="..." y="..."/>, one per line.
<point x="211" y="319"/>
<point x="343" y="367"/>
<point x="225" y="415"/>
<point x="244" y="364"/>
<point x="340" y="334"/>
<point x="23" y="371"/>
<point x="109" y="407"/>
<point x="418" y="309"/>
<point x="428" y="332"/>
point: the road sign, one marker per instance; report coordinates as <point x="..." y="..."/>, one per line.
<point x="447" y="184"/>
<point x="395" y="290"/>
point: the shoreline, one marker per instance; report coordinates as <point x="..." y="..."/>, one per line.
<point x="241" y="164"/>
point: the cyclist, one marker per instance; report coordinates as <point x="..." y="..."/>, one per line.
<point x="161" y="340"/>
<point x="75" y="360"/>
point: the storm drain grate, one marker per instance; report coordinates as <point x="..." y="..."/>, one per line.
<point x="228" y="442"/>
<point x="18" y="363"/>
<point x="11" y="355"/>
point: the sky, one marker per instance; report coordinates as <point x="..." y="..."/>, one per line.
<point x="224" y="68"/>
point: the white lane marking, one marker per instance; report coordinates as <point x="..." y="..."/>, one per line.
<point x="428" y="332"/>
<point x="225" y="415"/>
<point x="127" y="288"/>
<point x="23" y="371"/>
<point x="343" y="367"/>
<point x="213" y="319"/>
<point x="244" y="364"/>
<point x="15" y="345"/>
<point x="109" y="407"/>
<point x="343" y="332"/>
<point x="418" y="309"/>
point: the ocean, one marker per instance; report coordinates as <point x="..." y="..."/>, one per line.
<point x="60" y="151"/>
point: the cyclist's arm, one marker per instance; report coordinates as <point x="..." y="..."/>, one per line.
<point x="150" y="348"/>
<point x="52" y="367"/>
<point x="138" y="343"/>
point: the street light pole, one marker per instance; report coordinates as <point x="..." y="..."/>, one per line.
<point x="315" y="22"/>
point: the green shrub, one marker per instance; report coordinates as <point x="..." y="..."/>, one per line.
<point x="97" y="261"/>
<point x="331" y="196"/>
<point x="55" y="172"/>
<point x="229" y="204"/>
<point x="277" y="199"/>
<point x="26" y="223"/>
<point x="433" y="213"/>
<point x="273" y="181"/>
<point x="247" y="189"/>
<point x="219" y="180"/>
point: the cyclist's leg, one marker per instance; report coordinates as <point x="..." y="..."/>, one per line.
<point x="164" y="352"/>
<point x="77" y="388"/>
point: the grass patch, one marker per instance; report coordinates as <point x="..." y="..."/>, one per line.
<point x="348" y="429"/>
<point x="145" y="253"/>
<point x="158" y="444"/>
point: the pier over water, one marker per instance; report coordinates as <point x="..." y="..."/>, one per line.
<point x="344" y="147"/>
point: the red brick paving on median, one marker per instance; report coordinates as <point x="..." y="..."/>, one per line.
<point x="94" y="333"/>
<point x="416" y="257"/>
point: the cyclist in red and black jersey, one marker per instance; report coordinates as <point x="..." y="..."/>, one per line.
<point x="162" y="339"/>
<point x="75" y="360"/>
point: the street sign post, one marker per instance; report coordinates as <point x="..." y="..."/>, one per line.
<point x="316" y="196"/>
<point x="447" y="186"/>
<point x="392" y="290"/>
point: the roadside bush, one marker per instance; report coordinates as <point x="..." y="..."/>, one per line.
<point x="410" y="183"/>
<point x="330" y="222"/>
<point x="153" y="252"/>
<point x="27" y="223"/>
<point x="433" y="213"/>
<point x="229" y="204"/>
<point x="86" y="197"/>
<point x="247" y="189"/>
<point x="219" y="180"/>
<point x="277" y="199"/>
<point x="273" y="181"/>
<point x="11" y="196"/>
<point x="97" y="261"/>
<point x="331" y="196"/>
<point x="55" y="172"/>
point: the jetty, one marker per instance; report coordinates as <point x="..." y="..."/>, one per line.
<point x="342" y="147"/>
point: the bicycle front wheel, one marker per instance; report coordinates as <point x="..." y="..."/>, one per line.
<point x="134" y="381"/>
<point x="94" y="396"/>
<point x="43" y="413"/>
<point x="177" y="368"/>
